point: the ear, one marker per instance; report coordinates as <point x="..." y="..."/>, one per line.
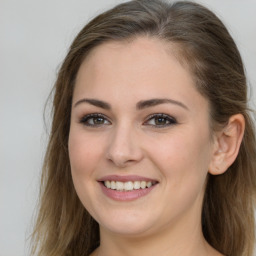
<point x="226" y="145"/>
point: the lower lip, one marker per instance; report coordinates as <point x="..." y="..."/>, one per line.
<point x="125" y="195"/>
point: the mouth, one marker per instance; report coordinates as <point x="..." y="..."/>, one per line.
<point x="128" y="185"/>
<point x="126" y="188"/>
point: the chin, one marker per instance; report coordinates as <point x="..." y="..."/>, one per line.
<point x="127" y="230"/>
<point x="127" y="224"/>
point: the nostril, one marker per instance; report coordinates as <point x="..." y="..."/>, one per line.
<point x="124" y="160"/>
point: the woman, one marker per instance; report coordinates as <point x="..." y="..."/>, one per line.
<point x="152" y="149"/>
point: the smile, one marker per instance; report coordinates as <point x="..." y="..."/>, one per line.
<point x="128" y="185"/>
<point x="126" y="188"/>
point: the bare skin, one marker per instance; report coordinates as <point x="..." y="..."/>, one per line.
<point x="168" y="142"/>
<point x="133" y="248"/>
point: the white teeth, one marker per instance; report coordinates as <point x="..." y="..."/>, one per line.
<point x="113" y="185"/>
<point x="149" y="184"/>
<point x="136" y="184"/>
<point x="128" y="186"/>
<point x="108" y="184"/>
<point x="143" y="184"/>
<point x="119" y="185"/>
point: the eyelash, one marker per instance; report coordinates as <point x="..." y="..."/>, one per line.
<point x="86" y="119"/>
<point x="93" y="117"/>
<point x="170" y="120"/>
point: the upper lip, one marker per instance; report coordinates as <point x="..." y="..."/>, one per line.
<point x="125" y="178"/>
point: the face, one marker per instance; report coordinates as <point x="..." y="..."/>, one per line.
<point x="139" y="142"/>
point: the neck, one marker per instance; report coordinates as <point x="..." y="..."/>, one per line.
<point x="187" y="240"/>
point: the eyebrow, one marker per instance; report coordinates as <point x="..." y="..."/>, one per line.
<point x="153" y="102"/>
<point x="94" y="102"/>
<point x="140" y="105"/>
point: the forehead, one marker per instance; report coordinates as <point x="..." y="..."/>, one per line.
<point x="146" y="45"/>
<point x="144" y="67"/>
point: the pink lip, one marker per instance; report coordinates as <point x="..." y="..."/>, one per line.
<point x="125" y="195"/>
<point x="125" y="178"/>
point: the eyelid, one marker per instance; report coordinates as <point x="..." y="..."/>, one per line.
<point x="87" y="117"/>
<point x="171" y="119"/>
<point x="106" y="121"/>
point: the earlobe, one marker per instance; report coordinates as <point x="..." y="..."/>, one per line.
<point x="227" y="144"/>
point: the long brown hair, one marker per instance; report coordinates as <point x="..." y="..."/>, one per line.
<point x="63" y="226"/>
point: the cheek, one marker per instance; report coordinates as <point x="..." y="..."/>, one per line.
<point x="183" y="158"/>
<point x="84" y="156"/>
<point x="82" y="152"/>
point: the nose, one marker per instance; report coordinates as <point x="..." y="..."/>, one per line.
<point x="124" y="147"/>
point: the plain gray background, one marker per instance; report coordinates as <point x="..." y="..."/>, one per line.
<point x="34" y="37"/>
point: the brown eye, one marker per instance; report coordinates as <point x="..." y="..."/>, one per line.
<point x="95" y="120"/>
<point x="98" y="120"/>
<point x="160" y="120"/>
